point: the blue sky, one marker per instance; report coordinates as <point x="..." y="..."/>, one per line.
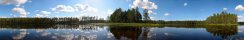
<point x="160" y="9"/>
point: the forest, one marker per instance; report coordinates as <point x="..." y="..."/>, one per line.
<point x="128" y="16"/>
<point x="26" y="21"/>
<point x="134" y="16"/>
<point x="48" y="21"/>
<point x="222" y="18"/>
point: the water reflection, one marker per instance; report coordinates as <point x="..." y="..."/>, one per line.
<point x="91" y="32"/>
<point x="224" y="32"/>
<point x="125" y="33"/>
<point x="56" y="32"/>
<point x="20" y="35"/>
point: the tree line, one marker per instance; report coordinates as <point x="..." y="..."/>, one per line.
<point x="119" y="16"/>
<point x="26" y="21"/>
<point x="48" y="21"/>
<point x="222" y="18"/>
<point x="128" y="16"/>
<point x="37" y="21"/>
<point x="134" y="16"/>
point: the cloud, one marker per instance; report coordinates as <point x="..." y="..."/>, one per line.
<point x="110" y="12"/>
<point x="16" y="9"/>
<point x="239" y="8"/>
<point x="63" y="8"/>
<point x="110" y="35"/>
<point x="80" y="8"/>
<point x="127" y="0"/>
<point x="21" y="34"/>
<point x="166" y="14"/>
<point x="152" y="18"/>
<point x="85" y="8"/>
<point x="39" y="30"/>
<point x="15" y="2"/>
<point x="151" y="12"/>
<point x="45" y="33"/>
<point x="43" y="14"/>
<point x="185" y="4"/>
<point x="21" y="11"/>
<point x="3" y="17"/>
<point x="68" y="36"/>
<point x="241" y="18"/>
<point x="145" y="4"/>
<point x="225" y="9"/>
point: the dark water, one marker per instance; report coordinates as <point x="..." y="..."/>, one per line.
<point x="89" y="32"/>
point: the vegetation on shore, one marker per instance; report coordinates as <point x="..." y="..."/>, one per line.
<point x="222" y="18"/>
<point x="49" y="21"/>
<point x="155" y="24"/>
<point x="241" y="23"/>
<point x="26" y="21"/>
<point x="128" y="18"/>
<point x="38" y="21"/>
<point x="126" y="24"/>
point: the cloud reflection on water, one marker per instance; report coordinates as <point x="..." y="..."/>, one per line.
<point x="22" y="33"/>
<point x="82" y="32"/>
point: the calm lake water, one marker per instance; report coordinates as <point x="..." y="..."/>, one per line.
<point x="89" y="32"/>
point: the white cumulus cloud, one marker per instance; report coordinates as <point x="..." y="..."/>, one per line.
<point x="85" y="8"/>
<point x="63" y="8"/>
<point x="43" y="14"/>
<point x="166" y="14"/>
<point x="225" y="9"/>
<point x="15" y="2"/>
<point x="110" y="12"/>
<point x="145" y="4"/>
<point x="239" y="8"/>
<point x="17" y="9"/>
<point x="80" y="8"/>
<point x="151" y="12"/>
<point x="21" y="11"/>
<point x="241" y="18"/>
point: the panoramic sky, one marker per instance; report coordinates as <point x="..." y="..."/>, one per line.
<point x="158" y="9"/>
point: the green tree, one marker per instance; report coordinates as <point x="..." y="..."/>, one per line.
<point x="130" y="15"/>
<point x="222" y="18"/>
<point x="137" y="15"/>
<point x="116" y="16"/>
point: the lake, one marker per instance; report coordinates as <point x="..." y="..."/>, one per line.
<point x="91" y="32"/>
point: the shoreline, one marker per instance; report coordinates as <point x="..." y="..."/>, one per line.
<point x="155" y="24"/>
